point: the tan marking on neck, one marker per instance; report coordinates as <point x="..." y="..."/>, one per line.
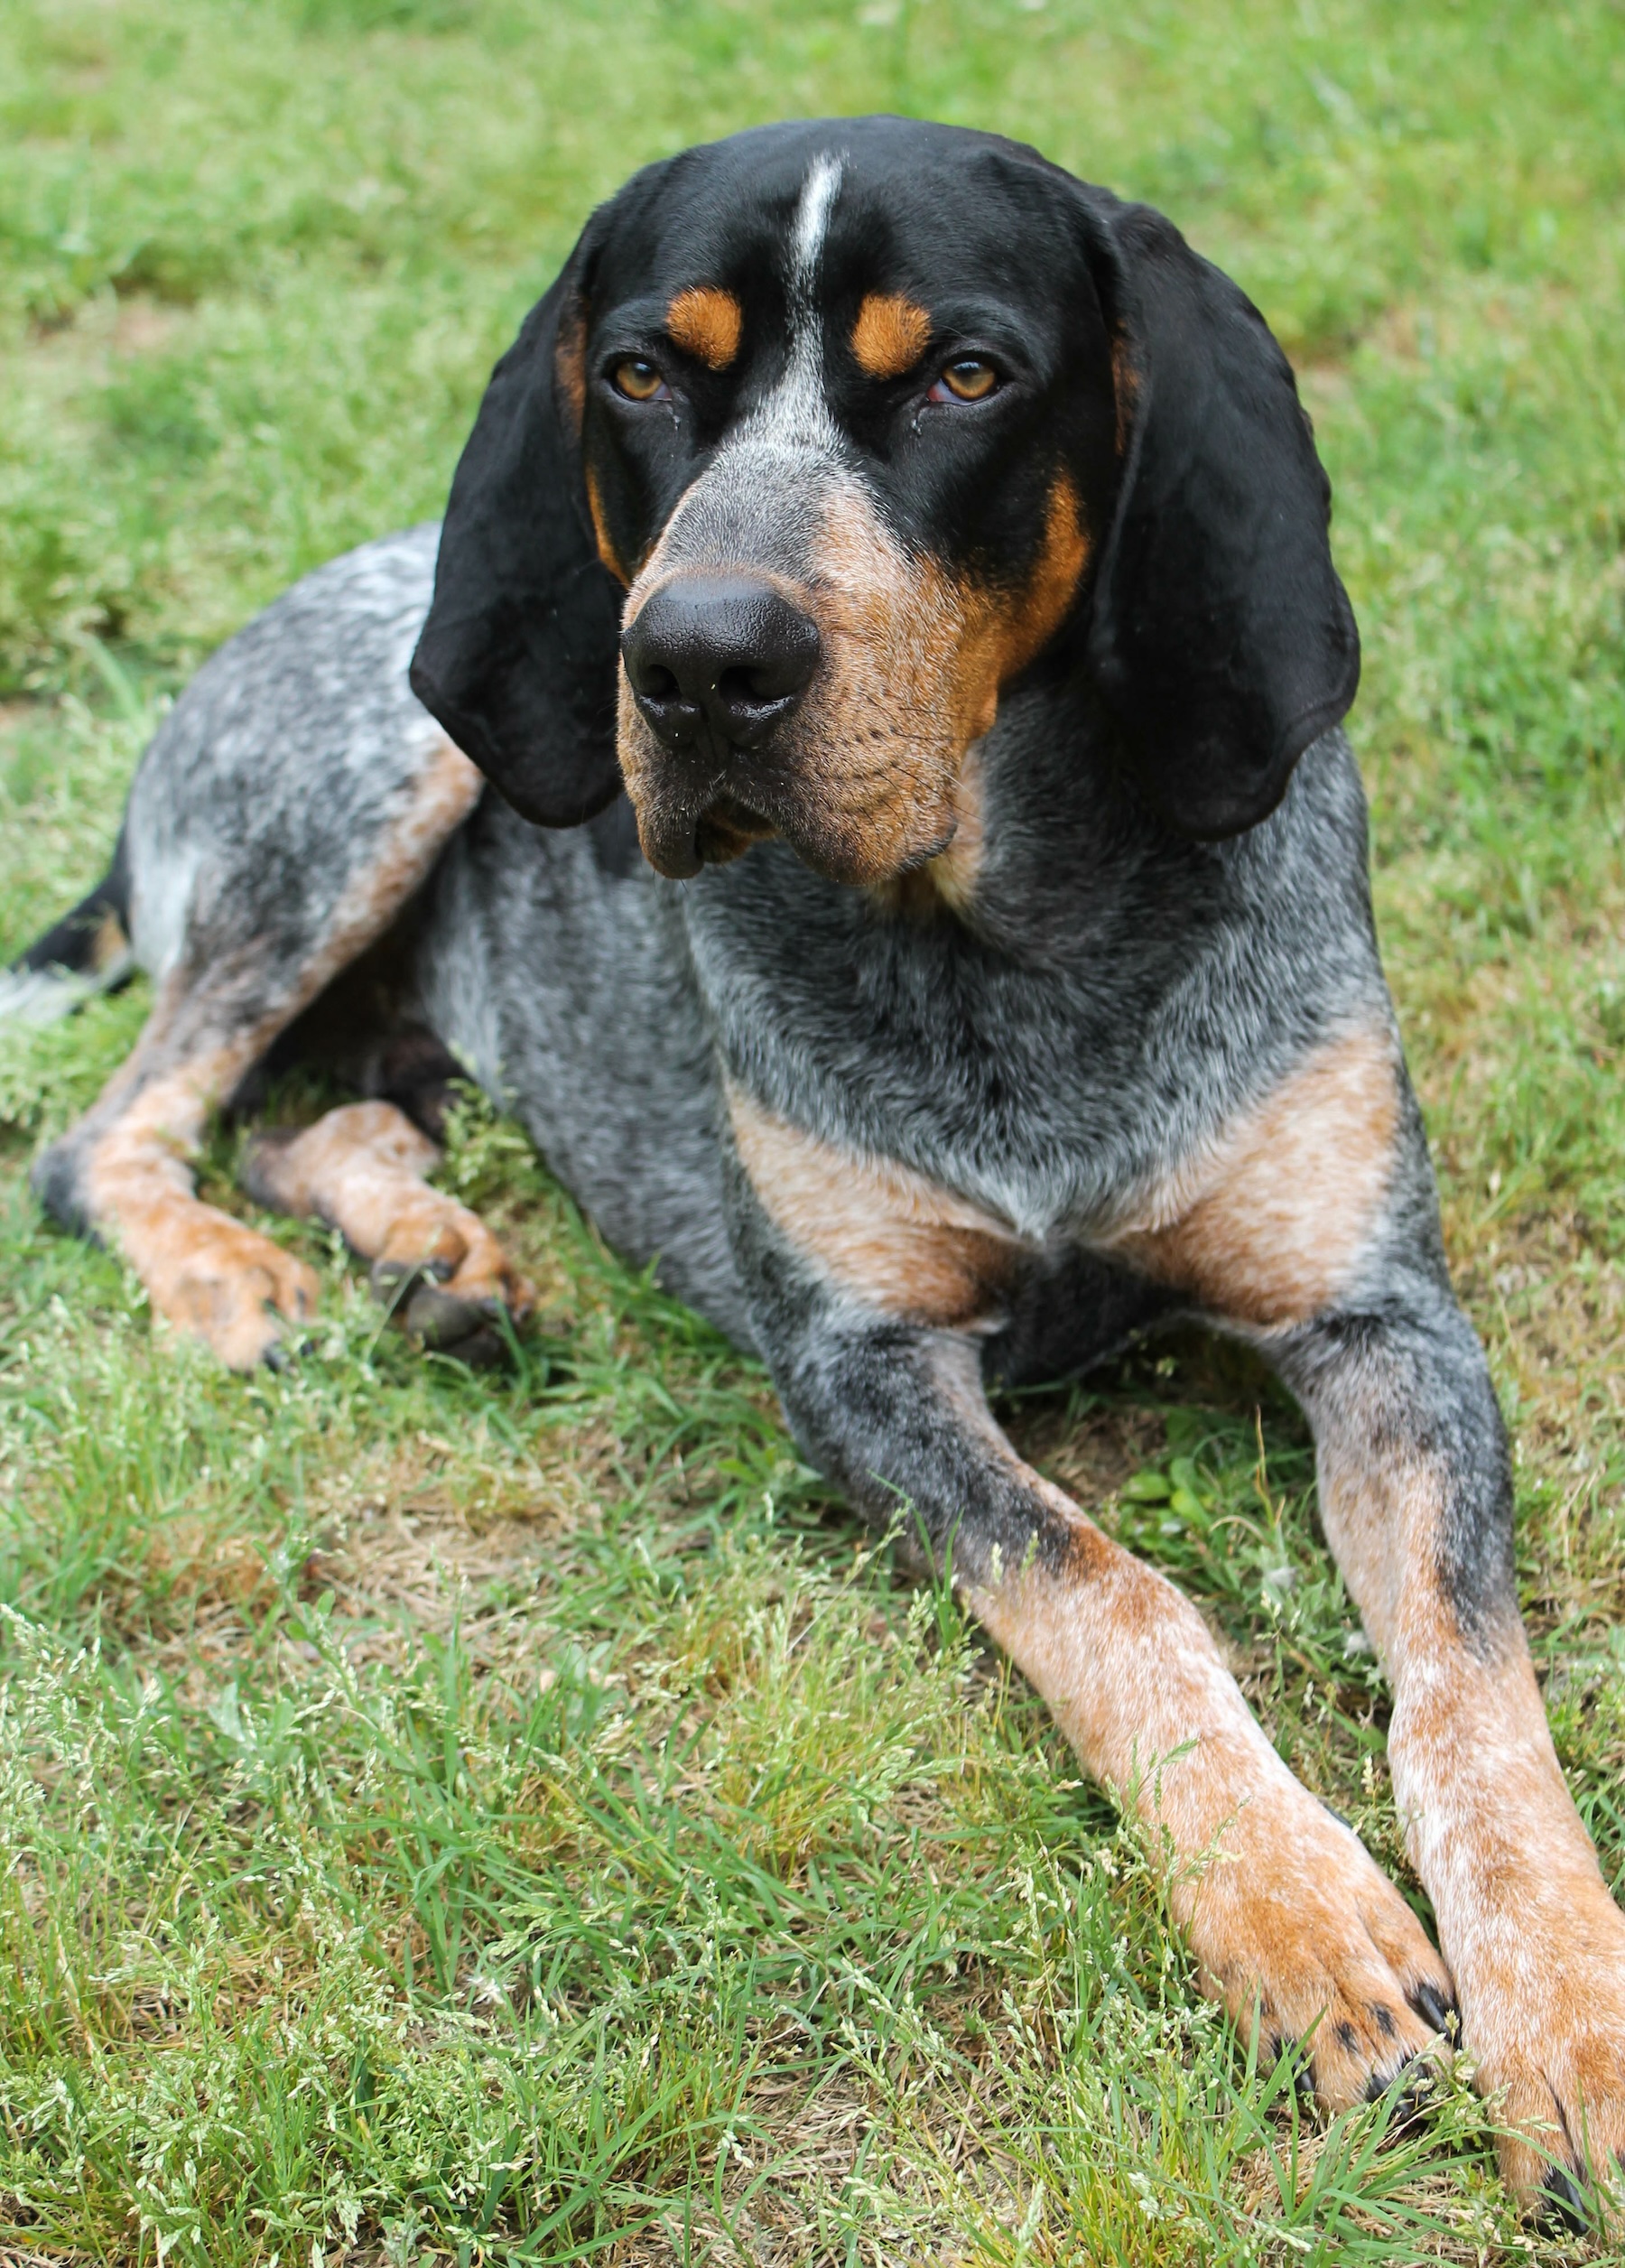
<point x="707" y="323"/>
<point x="1267" y="1225"/>
<point x="902" y="1243"/>
<point x="890" y="335"/>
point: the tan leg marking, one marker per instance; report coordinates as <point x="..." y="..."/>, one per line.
<point x="707" y="323"/>
<point x="907" y="1247"/>
<point x="1535" y="1942"/>
<point x="1288" y="1914"/>
<point x="202" y="1270"/>
<point x="890" y="335"/>
<point x="361" y="1169"/>
<point x="443" y="796"/>
<point x="1268" y="1225"/>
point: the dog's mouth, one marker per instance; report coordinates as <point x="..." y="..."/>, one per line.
<point x="680" y="846"/>
<point x="680" y="837"/>
<point x="728" y="829"/>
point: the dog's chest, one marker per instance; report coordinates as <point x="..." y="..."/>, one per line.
<point x="931" y="1121"/>
<point x="1045" y="1095"/>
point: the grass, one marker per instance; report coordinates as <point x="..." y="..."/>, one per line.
<point x="523" y="1819"/>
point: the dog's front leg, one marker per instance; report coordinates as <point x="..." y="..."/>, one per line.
<point x="1416" y="1500"/>
<point x="1291" y="1923"/>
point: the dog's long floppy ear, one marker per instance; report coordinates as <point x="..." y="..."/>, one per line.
<point x="517" y="657"/>
<point x="1221" y="639"/>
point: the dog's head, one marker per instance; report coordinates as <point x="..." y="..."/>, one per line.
<point x="825" y="435"/>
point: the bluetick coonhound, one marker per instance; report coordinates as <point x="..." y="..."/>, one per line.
<point x="860" y="773"/>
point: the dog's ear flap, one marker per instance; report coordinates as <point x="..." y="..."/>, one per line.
<point x="1221" y="637"/>
<point x="517" y="657"/>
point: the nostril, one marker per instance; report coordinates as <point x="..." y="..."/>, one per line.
<point x="654" y="682"/>
<point x="730" y="648"/>
<point x="750" y="688"/>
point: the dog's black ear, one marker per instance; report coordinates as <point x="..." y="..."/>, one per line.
<point x="517" y="657"/>
<point x="1221" y="637"/>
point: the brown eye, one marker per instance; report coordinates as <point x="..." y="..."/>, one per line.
<point x="638" y="380"/>
<point x="971" y="379"/>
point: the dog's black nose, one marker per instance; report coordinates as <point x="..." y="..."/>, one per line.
<point x="723" y="654"/>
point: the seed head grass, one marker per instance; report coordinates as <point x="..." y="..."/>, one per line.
<point x="523" y="1817"/>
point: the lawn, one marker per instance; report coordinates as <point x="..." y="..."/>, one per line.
<point x="522" y="1817"/>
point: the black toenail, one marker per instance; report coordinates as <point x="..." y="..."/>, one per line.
<point x="482" y="1350"/>
<point x="1303" y="2078"/>
<point x="1385" y="2022"/>
<point x="1562" y="2202"/>
<point x="1411" y="2084"/>
<point x="1349" y="2036"/>
<point x="1436" y="2013"/>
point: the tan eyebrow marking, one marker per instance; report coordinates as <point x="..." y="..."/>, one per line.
<point x="890" y="335"/>
<point x="706" y="322"/>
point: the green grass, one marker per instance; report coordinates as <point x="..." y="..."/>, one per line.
<point x="524" y="1819"/>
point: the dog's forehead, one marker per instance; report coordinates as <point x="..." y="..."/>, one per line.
<point x="836" y="207"/>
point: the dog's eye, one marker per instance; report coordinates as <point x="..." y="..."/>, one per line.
<point x="639" y="381"/>
<point x="971" y="379"/>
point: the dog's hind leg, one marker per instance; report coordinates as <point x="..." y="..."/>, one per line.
<point x="255" y="950"/>
<point x="362" y="1169"/>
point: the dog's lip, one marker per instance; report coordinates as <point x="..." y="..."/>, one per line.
<point x="673" y="838"/>
<point x="742" y="818"/>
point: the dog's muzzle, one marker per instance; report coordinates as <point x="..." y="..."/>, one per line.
<point x="716" y="663"/>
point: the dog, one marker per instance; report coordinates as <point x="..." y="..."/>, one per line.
<point x="860" y="774"/>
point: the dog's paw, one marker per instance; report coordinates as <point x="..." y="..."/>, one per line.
<point x="228" y="1286"/>
<point x="1298" y="1931"/>
<point x="453" y="1299"/>
<point x="1543" y="2004"/>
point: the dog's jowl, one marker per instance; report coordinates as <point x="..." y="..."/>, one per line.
<point x="860" y="773"/>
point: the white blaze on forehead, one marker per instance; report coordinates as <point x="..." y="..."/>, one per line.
<point x="812" y="222"/>
<point x="795" y="415"/>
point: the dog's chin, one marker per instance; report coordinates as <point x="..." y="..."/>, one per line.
<point x="729" y="828"/>
<point x="678" y="843"/>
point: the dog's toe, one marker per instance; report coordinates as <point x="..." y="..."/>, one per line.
<point x="1548" y="2037"/>
<point x="1295" y="1927"/>
<point x="441" y="1317"/>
